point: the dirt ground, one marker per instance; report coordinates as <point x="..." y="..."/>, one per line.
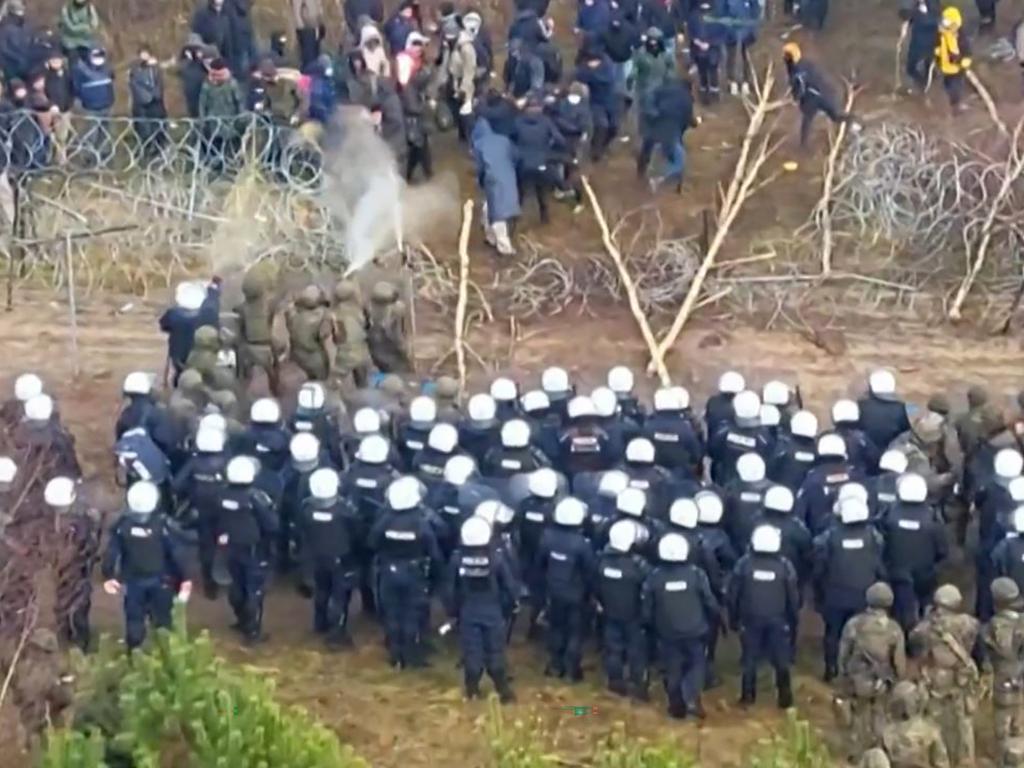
<point x="419" y="719"/>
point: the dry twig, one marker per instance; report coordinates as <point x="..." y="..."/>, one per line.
<point x="460" y="307"/>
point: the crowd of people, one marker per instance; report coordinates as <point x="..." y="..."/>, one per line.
<point x="653" y="527"/>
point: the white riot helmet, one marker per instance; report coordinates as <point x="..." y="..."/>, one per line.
<point x="487" y="510"/>
<point x="893" y="461"/>
<point x="458" y="470"/>
<point x="1016" y="490"/>
<point x="1008" y="463"/>
<point x="683" y="396"/>
<point x="666" y="399"/>
<point x="8" y="471"/>
<point x="853" y="510"/>
<point x="882" y="384"/>
<point x="504" y="390"/>
<point x="481" y="407"/>
<point x="1018" y="520"/>
<point x="775" y="393"/>
<point x="422" y="410"/>
<point x="845" y="412"/>
<point x="534" y="401"/>
<point x="373" y="449"/>
<point x="673" y="548"/>
<point x="750" y="468"/>
<point x="323" y="484"/>
<point x="684" y="513"/>
<point x="852" y="491"/>
<point x="515" y="434"/>
<point x="580" y="407"/>
<point x="265" y="411"/>
<point x="137" y="383"/>
<point x="475" y="532"/>
<point x="631" y="501"/>
<point x="366" y="421"/>
<point x="543" y="483"/>
<point x="443" y="437"/>
<point x="770" y="416"/>
<point x="189" y="296"/>
<point x="731" y="383"/>
<point x="911" y="488"/>
<point x="210" y="440"/>
<point x="640" y="450"/>
<point x="241" y="470"/>
<point x="505" y="515"/>
<point x="804" y="424"/>
<point x="555" y="381"/>
<point x="404" y="493"/>
<point x="612" y="483"/>
<point x="304" y="448"/>
<point x="766" y="539"/>
<point x="143" y="498"/>
<point x="570" y="512"/>
<point x="27" y="386"/>
<point x="709" y="507"/>
<point x="832" y="445"/>
<point x="620" y="380"/>
<point x="312" y="396"/>
<point x="39" y="408"/>
<point x="779" y="498"/>
<point x="60" y="492"/>
<point x="746" y="405"/>
<point x="606" y="403"/>
<point x="622" y="535"/>
<point x="214" y="421"/>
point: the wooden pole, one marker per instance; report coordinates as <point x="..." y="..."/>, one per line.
<point x="823" y="210"/>
<point x="627" y="283"/>
<point x="72" y="306"/>
<point x="460" y="307"/>
<point x="986" y="97"/>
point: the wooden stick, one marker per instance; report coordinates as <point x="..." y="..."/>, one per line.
<point x="739" y="187"/>
<point x="986" y="97"/>
<point x="823" y="210"/>
<point x="904" y="30"/>
<point x="1014" y="169"/>
<point x="72" y="305"/>
<point x="460" y="307"/>
<point x="657" y="359"/>
<point x="29" y="626"/>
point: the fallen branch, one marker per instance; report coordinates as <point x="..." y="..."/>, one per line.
<point x="1014" y="169"/>
<point x="460" y="307"/>
<point x="904" y="30"/>
<point x="735" y="196"/>
<point x="657" y="358"/>
<point x="9" y="677"/>
<point x="986" y="97"/>
<point x="823" y="209"/>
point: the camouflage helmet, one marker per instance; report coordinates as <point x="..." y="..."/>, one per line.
<point x="384" y="293"/>
<point x="207" y="337"/>
<point x="905" y="700"/>
<point x="977" y="396"/>
<point x="991" y="421"/>
<point x="1005" y="591"/>
<point x="45" y="640"/>
<point x="875" y="758"/>
<point x="939" y="403"/>
<point x="948" y="596"/>
<point x="446" y="388"/>
<point x="392" y="385"/>
<point x="309" y="297"/>
<point x="879" y="595"/>
<point x="181" y="407"/>
<point x="224" y="399"/>
<point x="346" y="290"/>
<point x="927" y="426"/>
<point x="190" y="379"/>
<point x="254" y="284"/>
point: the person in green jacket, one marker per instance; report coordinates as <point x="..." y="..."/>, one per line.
<point x="220" y="104"/>
<point x="80" y="29"/>
<point x="652" y="64"/>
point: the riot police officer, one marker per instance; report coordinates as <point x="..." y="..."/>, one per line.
<point x="677" y="444"/>
<point x="744" y="498"/>
<point x="718" y="410"/>
<point x="653" y="480"/>
<point x="411" y="434"/>
<point x="478" y="431"/>
<point x="796" y="539"/>
<point x="429" y="463"/>
<point x="306" y="458"/>
<point x="816" y="497"/>
<point x="861" y="452"/>
<point x="795" y="451"/>
<point x="742" y="434"/>
<point x="582" y="445"/>
<point x="554" y="382"/>
<point x="882" y="487"/>
<point x="515" y="455"/>
<point x="266" y="438"/>
<point x="535" y="513"/>
<point x="505" y="394"/>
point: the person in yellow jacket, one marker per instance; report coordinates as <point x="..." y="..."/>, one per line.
<point x="953" y="56"/>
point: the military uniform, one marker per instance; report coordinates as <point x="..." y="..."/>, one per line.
<point x="872" y="658"/>
<point x="1003" y="636"/>
<point x="255" y="332"/>
<point x="310" y="329"/>
<point x="387" y="330"/>
<point x="944" y="640"/>
<point x="203" y="357"/>
<point x="351" y="356"/>
<point x="912" y="741"/>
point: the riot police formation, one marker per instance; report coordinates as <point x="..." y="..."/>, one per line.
<point x="650" y="529"/>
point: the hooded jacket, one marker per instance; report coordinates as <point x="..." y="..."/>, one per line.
<point x="495" y="158"/>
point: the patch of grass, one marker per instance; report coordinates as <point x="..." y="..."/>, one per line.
<point x="618" y="751"/>
<point x="797" y="746"/>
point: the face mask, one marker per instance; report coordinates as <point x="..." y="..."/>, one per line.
<point x="574" y="98"/>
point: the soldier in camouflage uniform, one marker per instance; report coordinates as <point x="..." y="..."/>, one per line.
<point x="968" y="425"/>
<point x="1003" y="636"/>
<point x="190" y="388"/>
<point x="872" y="658"/>
<point x="203" y="357"/>
<point x="255" y="332"/>
<point x="387" y="335"/>
<point x="352" y="355"/>
<point x="911" y="740"/>
<point x="446" y="395"/>
<point x="926" y="455"/>
<point x="943" y="642"/>
<point x="310" y="331"/>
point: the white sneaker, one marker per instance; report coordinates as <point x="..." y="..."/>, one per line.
<point x="745" y="89"/>
<point x="734" y="89"/>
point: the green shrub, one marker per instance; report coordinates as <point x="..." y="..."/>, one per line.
<point x="797" y="746"/>
<point x="618" y="751"/>
<point x="516" y="745"/>
<point x="74" y="749"/>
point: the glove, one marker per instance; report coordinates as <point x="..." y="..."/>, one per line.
<point x="184" y="592"/>
<point x="444" y="629"/>
<point x="111" y="586"/>
<point x="965" y="63"/>
<point x="466" y="108"/>
<point x="223" y="539"/>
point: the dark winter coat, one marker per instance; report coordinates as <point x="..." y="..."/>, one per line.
<point x="537" y="141"/>
<point x="672" y="112"/>
<point x="620" y="40"/>
<point x="94" y="86"/>
<point x="15" y="47"/>
<point x="495" y="158"/>
<point x="594" y="17"/>
<point x="354" y="9"/>
<point x="744" y="17"/>
<point x="59" y="89"/>
<point x="214" y="27"/>
<point x="146" y="84"/>
<point x="526" y="27"/>
<point x="601" y="82"/>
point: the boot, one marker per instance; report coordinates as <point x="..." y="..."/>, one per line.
<point x="785" y="687"/>
<point x="830" y="672"/>
<point x="697" y="709"/>
<point x="617" y="686"/>
<point x="505" y="693"/>
<point x="339" y="639"/>
<point x="472" y="683"/>
<point x="211" y="590"/>
<point x="554" y="670"/>
<point x="676" y="707"/>
<point x="712" y="680"/>
<point x="576" y="674"/>
<point x="748" y="694"/>
<point x="640" y="693"/>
